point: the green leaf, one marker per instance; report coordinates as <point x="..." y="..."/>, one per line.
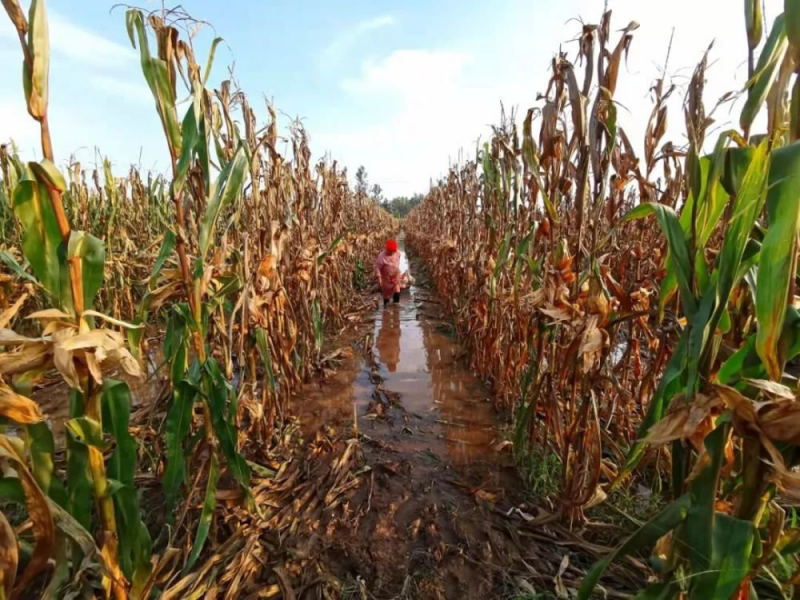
<point x="41" y="238"/>
<point x="679" y="251"/>
<point x="766" y="71"/>
<point x="208" y="513"/>
<point x="701" y="517"/>
<point x="134" y="539"/>
<point x="79" y="481"/>
<point x="661" y="524"/>
<point x="737" y="160"/>
<point x="210" y="62"/>
<point x="747" y="206"/>
<point x="41" y="447"/>
<point x="156" y="74"/>
<point x="87" y="431"/>
<point x="218" y="392"/>
<point x="92" y="253"/>
<point x="17" y="269"/>
<point x="176" y="428"/>
<point x="776" y="266"/>
<point x="331" y="248"/>
<point x="189" y="139"/>
<point x="733" y="544"/>
<point x="742" y="363"/>
<point x="266" y="357"/>
<point x="11" y="490"/>
<point x="227" y="188"/>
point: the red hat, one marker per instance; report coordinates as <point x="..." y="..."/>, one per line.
<point x="391" y="246"/>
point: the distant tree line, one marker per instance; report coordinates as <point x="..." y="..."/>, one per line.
<point x="399" y="206"/>
<point x="402" y="205"/>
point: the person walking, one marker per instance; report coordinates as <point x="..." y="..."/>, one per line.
<point x="389" y="273"/>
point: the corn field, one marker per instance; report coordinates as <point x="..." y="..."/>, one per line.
<point x="636" y="314"/>
<point x="236" y="266"/>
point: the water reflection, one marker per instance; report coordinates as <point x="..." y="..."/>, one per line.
<point x="388" y="339"/>
<point x="421" y="363"/>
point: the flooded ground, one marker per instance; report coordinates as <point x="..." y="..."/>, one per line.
<point x="411" y="389"/>
<point x="435" y="508"/>
<point x="429" y="437"/>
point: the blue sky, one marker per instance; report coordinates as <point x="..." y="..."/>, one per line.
<point x="399" y="87"/>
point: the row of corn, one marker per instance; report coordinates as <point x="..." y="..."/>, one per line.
<point x="242" y="259"/>
<point x="638" y="311"/>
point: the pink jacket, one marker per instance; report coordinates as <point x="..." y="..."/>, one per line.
<point x="387" y="269"/>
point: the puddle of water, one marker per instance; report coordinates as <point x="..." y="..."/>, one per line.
<point x="441" y="406"/>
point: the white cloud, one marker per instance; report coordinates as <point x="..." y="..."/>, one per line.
<point x="338" y="48"/>
<point x="439" y="110"/>
<point x="408" y="72"/>
<point x="436" y="103"/>
<point x="135" y="91"/>
<point x="78" y="43"/>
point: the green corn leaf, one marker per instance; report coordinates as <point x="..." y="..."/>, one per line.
<point x="737" y="160"/>
<point x="679" y="252"/>
<point x="87" y="431"/>
<point x="746" y="207"/>
<point x="134" y="539"/>
<point x="766" y="71"/>
<point x="218" y="392"/>
<point x="208" y="513"/>
<point x="92" y="253"/>
<point x="16" y="268"/>
<point x="700" y="519"/>
<point x="226" y="189"/>
<point x="210" y="62"/>
<point x="156" y="74"/>
<point x="36" y="75"/>
<point x="135" y="334"/>
<point x="46" y="172"/>
<point x="790" y="338"/>
<point x="178" y="424"/>
<point x="778" y="254"/>
<point x="79" y="480"/>
<point x="316" y="317"/>
<point x="502" y="257"/>
<point x="163" y="254"/>
<point x="41" y="447"/>
<point x="11" y="490"/>
<point x="662" y="523"/>
<point x="321" y="258"/>
<point x="791" y="11"/>
<point x="190" y="136"/>
<point x="266" y="357"/>
<point x="41" y="238"/>
<point x="734" y="540"/>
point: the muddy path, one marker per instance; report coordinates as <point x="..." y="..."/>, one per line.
<point x="440" y="511"/>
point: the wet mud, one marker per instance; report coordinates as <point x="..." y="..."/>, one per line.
<point x="421" y="524"/>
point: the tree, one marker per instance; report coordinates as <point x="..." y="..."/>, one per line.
<point x="362" y="184"/>
<point x="376" y="194"/>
